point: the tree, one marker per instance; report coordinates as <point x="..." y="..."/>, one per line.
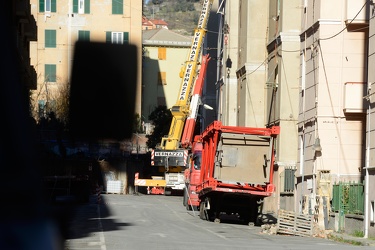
<point x="161" y="118"/>
<point x="50" y="98"/>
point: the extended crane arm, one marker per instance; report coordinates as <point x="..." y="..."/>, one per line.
<point x="187" y="136"/>
<point x="180" y="110"/>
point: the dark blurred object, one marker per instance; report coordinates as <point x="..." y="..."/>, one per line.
<point x="28" y="222"/>
<point x="103" y="90"/>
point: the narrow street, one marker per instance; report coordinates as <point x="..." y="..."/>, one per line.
<point x="162" y="222"/>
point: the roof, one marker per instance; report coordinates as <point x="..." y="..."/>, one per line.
<point x="165" y="37"/>
<point x="146" y="22"/>
<point x="159" y="22"/>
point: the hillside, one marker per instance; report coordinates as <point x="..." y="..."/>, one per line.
<point x="181" y="15"/>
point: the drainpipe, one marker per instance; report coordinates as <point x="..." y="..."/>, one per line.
<point x="367" y="164"/>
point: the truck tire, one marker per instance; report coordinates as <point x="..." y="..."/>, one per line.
<point x="202" y="213"/>
<point x="168" y="192"/>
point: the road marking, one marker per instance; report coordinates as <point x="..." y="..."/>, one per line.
<point x="101" y="233"/>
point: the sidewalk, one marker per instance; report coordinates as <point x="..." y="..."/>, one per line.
<point x="358" y="241"/>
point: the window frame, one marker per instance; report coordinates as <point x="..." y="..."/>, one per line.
<point x="117" y="37"/>
<point x="81" y="6"/>
<point x="110" y="35"/>
<point x="47" y="6"/>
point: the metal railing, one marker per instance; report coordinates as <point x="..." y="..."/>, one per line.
<point x="348" y="198"/>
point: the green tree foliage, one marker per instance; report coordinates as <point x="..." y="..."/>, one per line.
<point x="161" y="118"/>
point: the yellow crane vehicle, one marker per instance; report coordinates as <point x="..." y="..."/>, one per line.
<point x="171" y="155"/>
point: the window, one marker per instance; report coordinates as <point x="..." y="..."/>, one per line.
<point x="288" y="180"/>
<point x="47" y="5"/>
<point x="50" y="73"/>
<point x="117" y="37"/>
<point x="117" y="7"/>
<point x="162" y="78"/>
<point x="162" y="53"/>
<point x="50" y="38"/>
<point x="81" y="6"/>
<point x="83" y="35"/>
<point x="41" y="108"/>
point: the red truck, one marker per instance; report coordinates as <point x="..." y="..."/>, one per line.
<point x="235" y="174"/>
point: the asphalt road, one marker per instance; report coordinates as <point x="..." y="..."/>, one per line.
<point x="162" y="222"/>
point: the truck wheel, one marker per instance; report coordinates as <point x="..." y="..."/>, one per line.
<point x="202" y="213"/>
<point x="167" y="192"/>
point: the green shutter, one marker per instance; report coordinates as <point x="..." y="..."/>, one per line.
<point x="117" y="7"/>
<point x="75" y="6"/>
<point x="81" y="35"/>
<point x="53" y="5"/>
<point x="126" y="37"/>
<point x="87" y="6"/>
<point x="50" y="72"/>
<point x="84" y="35"/>
<point x="41" y="5"/>
<point x="108" y="37"/>
<point x="50" y="38"/>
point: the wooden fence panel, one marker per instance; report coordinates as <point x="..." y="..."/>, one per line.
<point x="295" y="224"/>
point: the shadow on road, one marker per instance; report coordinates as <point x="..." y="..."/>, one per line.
<point x="83" y="220"/>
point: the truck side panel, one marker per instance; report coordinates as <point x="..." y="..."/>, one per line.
<point x="243" y="158"/>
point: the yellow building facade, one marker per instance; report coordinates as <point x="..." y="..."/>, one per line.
<point x="62" y="23"/>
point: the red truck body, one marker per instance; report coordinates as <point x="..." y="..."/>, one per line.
<point x="192" y="176"/>
<point x="236" y="171"/>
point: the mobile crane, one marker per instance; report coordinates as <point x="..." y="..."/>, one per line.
<point x="172" y="153"/>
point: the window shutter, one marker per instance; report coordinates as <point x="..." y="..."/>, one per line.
<point x="162" y="53"/>
<point x="53" y="38"/>
<point x="41" y="5"/>
<point x="50" y="72"/>
<point x="108" y="37"/>
<point x="50" y="38"/>
<point x="126" y="37"/>
<point x="87" y="6"/>
<point x="117" y="6"/>
<point x="75" y="6"/>
<point x="53" y="5"/>
<point x="84" y="35"/>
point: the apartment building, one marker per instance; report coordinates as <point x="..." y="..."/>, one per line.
<point x="282" y="88"/>
<point x="332" y="113"/>
<point x="165" y="52"/>
<point x="60" y="25"/>
<point x="260" y="79"/>
<point x="304" y="67"/>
